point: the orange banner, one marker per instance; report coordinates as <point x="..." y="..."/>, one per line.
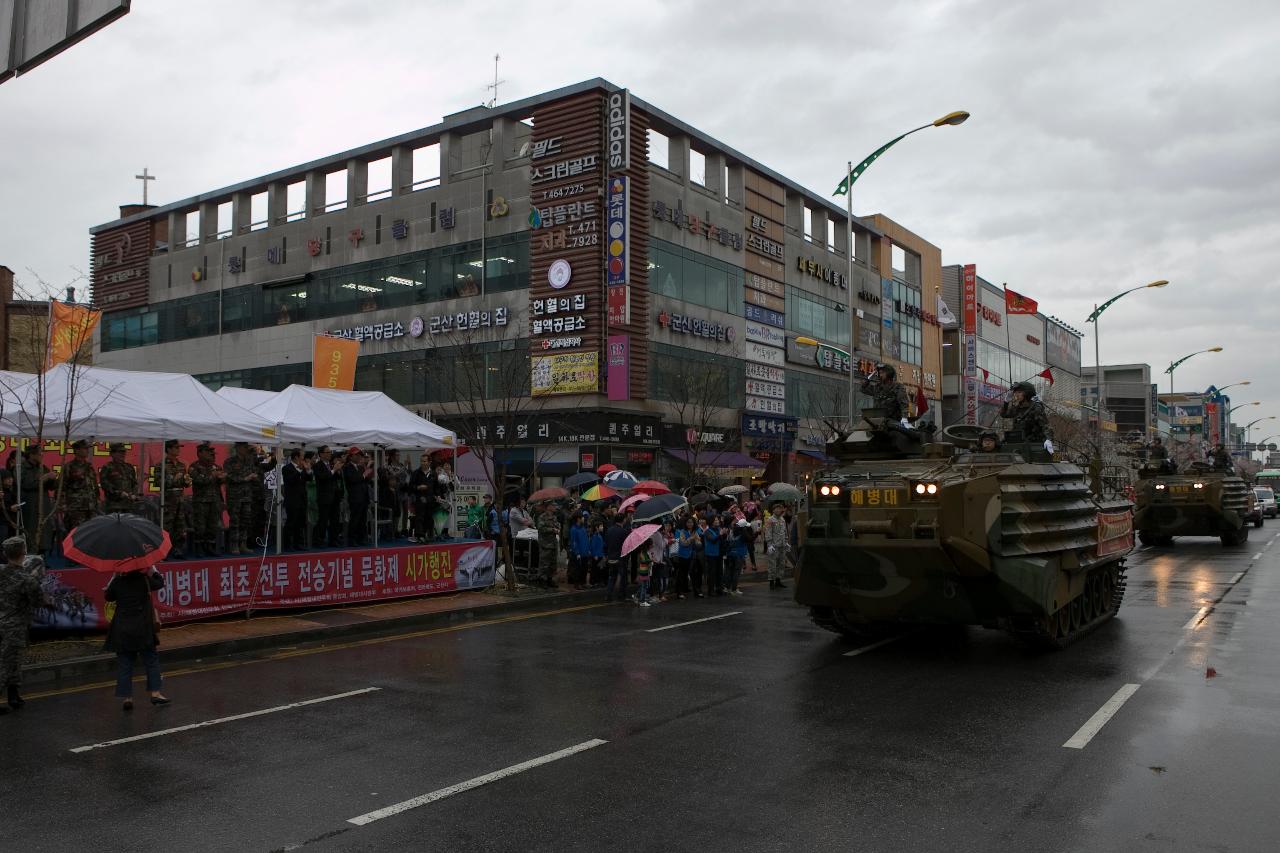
<point x="333" y="363"/>
<point x="70" y="327"/>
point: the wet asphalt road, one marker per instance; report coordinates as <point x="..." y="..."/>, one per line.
<point x="750" y="732"/>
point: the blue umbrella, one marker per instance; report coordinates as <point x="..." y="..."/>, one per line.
<point x="622" y="481"/>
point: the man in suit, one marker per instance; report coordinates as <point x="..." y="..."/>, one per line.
<point x="296" y="473"/>
<point x="327" y="494"/>
<point x="356" y="480"/>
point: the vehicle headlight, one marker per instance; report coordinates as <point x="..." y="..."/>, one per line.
<point x="932" y="488"/>
<point x="1197" y="486"/>
<point x="920" y="488"/>
<point x="923" y="490"/>
<point x="825" y="491"/>
<point x="1160" y="487"/>
<point x="829" y="491"/>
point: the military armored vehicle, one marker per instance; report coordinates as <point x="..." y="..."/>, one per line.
<point x="1197" y="501"/>
<point x="909" y="530"/>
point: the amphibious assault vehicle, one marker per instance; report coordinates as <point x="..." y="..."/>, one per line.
<point x="909" y="530"/>
<point x="1198" y="501"/>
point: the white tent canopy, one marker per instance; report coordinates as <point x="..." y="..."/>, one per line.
<point x="315" y="416"/>
<point x="246" y="398"/>
<point x="127" y="405"/>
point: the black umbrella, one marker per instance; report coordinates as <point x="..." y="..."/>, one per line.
<point x="118" y="542"/>
<point x="658" y="506"/>
<point x="701" y="498"/>
<point x="582" y="478"/>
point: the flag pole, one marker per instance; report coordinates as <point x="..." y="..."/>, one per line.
<point x="48" y="337"/>
<point x="853" y="314"/>
<point x="1008" y="333"/>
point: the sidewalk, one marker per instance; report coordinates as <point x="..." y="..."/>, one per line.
<point x="53" y="662"/>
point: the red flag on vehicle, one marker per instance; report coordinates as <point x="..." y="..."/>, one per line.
<point x="1016" y="303"/>
<point x="922" y="402"/>
<point x="1047" y="375"/>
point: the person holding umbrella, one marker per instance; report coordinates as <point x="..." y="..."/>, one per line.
<point x="20" y="595"/>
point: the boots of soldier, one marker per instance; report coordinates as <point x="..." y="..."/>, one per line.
<point x="15" y="701"/>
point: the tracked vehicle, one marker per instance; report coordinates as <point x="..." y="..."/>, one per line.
<point x="910" y="530"/>
<point x="1198" y="501"/>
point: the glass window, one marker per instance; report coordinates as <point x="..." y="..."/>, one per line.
<point x="695" y="281"/>
<point x="286" y="304"/>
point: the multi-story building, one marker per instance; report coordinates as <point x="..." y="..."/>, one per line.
<point x="581" y="248"/>
<point x="24" y="328"/>
<point x="1126" y="397"/>
<point x="1195" y="418"/>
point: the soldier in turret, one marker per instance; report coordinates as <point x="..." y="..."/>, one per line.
<point x="1220" y="458"/>
<point x="206" y="500"/>
<point x="79" y="487"/>
<point x="119" y="482"/>
<point x="175" y="484"/>
<point x="1028" y="415"/>
<point x="883" y="387"/>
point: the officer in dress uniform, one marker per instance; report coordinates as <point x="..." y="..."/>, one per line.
<point x="887" y="392"/>
<point x="1028" y="415"/>
<point x="119" y="482"/>
<point x="175" y="485"/>
<point x="79" y="487"/>
<point x="244" y="484"/>
<point x="548" y="541"/>
<point x="207" y="478"/>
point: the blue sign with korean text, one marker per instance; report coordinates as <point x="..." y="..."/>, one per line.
<point x="768" y="426"/>
<point x="764" y="315"/>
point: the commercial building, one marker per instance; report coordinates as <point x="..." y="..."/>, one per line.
<point x="641" y="283"/>
<point x="24" y="328"/>
<point x="1195" y="418"/>
<point x="1126" y="397"/>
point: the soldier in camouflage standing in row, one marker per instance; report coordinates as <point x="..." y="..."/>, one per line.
<point x="887" y="392"/>
<point x="244" y="483"/>
<point x="175" y="484"/>
<point x="79" y="487"/>
<point x="20" y="595"/>
<point x="119" y="481"/>
<point x="206" y="500"/>
<point x="548" y="540"/>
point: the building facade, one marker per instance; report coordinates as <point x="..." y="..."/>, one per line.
<point x="1125" y="396"/>
<point x="637" y="280"/>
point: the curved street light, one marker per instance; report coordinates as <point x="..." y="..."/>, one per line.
<point x="1097" y="346"/>
<point x="1172" y="366"/>
<point x="845" y="188"/>
<point x="1242" y="405"/>
<point x="1249" y="426"/>
<point x="1234" y="384"/>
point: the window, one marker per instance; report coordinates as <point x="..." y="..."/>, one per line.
<point x="693" y="277"/>
<point x="295" y="201"/>
<point x="816" y="397"/>
<point x="808" y="224"/>
<point x="659" y="149"/>
<point x="378" y="180"/>
<point x="284" y="305"/>
<point x="724" y="184"/>
<point x="821" y="319"/>
<point x="906" y="345"/>
<point x="335" y="190"/>
<point x="223" y="227"/>
<point x="695" y="378"/>
<point x="190" y="224"/>
<point x="899" y="259"/>
<point x="831" y="234"/>
<point x="258" y="211"/>
<point x="426" y="166"/>
<point x="697" y="167"/>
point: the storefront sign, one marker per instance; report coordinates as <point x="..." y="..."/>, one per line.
<point x="991" y="315"/>
<point x="376" y="332"/>
<point x="759" y="426"/>
<point x="868" y="296"/>
<point x="765" y="285"/>
<point x="618" y="130"/>
<point x="765" y="404"/>
<point x="561" y="343"/>
<point x="764" y="300"/>
<point x="1033" y="340"/>
<point x="695" y="225"/>
<point x="573" y="237"/>
<point x="546" y="148"/>
<point x="765" y="246"/>
<point x="696" y="326"/>
<point x="558" y="325"/>
<point x="556" y="215"/>
<point x="564" y="169"/>
<point x="869" y="337"/>
<point x="619" y="306"/>
<point x="572" y="428"/>
<point x="559" y="304"/>
<point x="763" y="372"/>
<point x="617" y="226"/>
<point x="276" y="255"/>
<point x="970" y="298"/>
<point x="826" y="273"/>
<point x="766" y="389"/>
<point x="564" y="373"/>
<point x="764" y="334"/>
<point x="619" y="367"/>
<point x="1062" y="348"/>
<point x="765" y="315"/>
<point x="464" y="321"/>
<point x="559" y="274"/>
<point x="916" y="312"/>
<point x="970" y="401"/>
<point x="764" y="354"/>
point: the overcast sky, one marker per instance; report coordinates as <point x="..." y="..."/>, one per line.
<point x="1111" y="143"/>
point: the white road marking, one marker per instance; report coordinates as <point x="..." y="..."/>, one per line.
<point x="877" y="644"/>
<point x="1257" y="556"/>
<point x="694" y="621"/>
<point x="1081" y="738"/>
<point x="1235" y="580"/>
<point x="440" y="794"/>
<point x="222" y="720"/>
<point x="1195" y="620"/>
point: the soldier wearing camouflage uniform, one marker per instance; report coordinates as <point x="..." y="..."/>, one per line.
<point x="119" y="482"/>
<point x="36" y="495"/>
<point x="1028" y="415"/>
<point x="206" y="500"/>
<point x="20" y="595"/>
<point x="887" y="393"/>
<point x="175" y="483"/>
<point x="79" y="487"/>
<point x="548" y="541"/>
<point x="244" y="482"/>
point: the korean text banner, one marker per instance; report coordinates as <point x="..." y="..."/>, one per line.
<point x="70" y="326"/>
<point x="333" y="363"/>
<point x="200" y="589"/>
<point x="565" y="373"/>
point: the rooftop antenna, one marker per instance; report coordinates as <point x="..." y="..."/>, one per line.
<point x="493" y="102"/>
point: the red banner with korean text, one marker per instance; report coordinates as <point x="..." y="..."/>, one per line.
<point x="1115" y="532"/>
<point x="204" y="588"/>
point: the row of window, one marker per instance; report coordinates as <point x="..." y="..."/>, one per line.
<point x="908" y="333"/>
<point x="448" y="272"/>
<point x="998" y="361"/>
<point x="694" y="278"/>
<point x="817" y="318"/>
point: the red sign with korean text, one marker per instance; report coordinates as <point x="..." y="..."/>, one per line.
<point x="1115" y="533"/>
<point x="970" y="298"/>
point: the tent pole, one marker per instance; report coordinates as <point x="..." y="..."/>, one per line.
<point x="276" y="495"/>
<point x="453" y="504"/>
<point x="164" y="457"/>
<point x="17" y="486"/>
<point x="377" y="457"/>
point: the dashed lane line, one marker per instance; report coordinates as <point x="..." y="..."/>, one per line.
<point x="873" y="646"/>
<point x="434" y="796"/>
<point x="1195" y="620"/>
<point x="694" y="621"/>
<point x="1235" y="580"/>
<point x="1086" y="733"/>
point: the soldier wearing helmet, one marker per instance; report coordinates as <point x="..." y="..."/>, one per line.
<point x="1028" y="415"/>
<point x="883" y="387"/>
<point x="988" y="442"/>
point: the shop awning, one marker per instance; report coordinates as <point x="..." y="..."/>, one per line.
<point x="725" y="463"/>
<point x="818" y="456"/>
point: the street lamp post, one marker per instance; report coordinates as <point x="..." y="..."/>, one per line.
<point x="1233" y="384"/>
<point x="845" y="188"/>
<point x="1241" y="406"/>
<point x="1097" y="348"/>
<point x="1261" y="443"/>
<point x="1173" y="365"/>
<point x="1249" y="426"/>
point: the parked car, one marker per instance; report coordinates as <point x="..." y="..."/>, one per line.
<point x="1254" y="513"/>
<point x="1266" y="500"/>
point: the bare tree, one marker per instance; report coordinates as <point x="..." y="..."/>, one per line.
<point x="698" y="392"/>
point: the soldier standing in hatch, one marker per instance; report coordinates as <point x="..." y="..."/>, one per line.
<point x="206" y="500"/>
<point x="1028" y="415"/>
<point x="119" y="482"/>
<point x="887" y="392"/>
<point x="175" y="484"/>
<point x="548" y="541"/>
<point x="79" y="487"/>
<point x="244" y="483"/>
<point x="1220" y="458"/>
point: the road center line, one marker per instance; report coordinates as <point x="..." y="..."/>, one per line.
<point x="440" y="794"/>
<point x="1235" y="580"/>
<point x="1081" y="738"/>
<point x="877" y="644"/>
<point x="221" y="720"/>
<point x="694" y="621"/>
<point x="1195" y="620"/>
<point x="1257" y="556"/>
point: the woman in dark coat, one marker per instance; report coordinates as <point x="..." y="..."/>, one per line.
<point x="133" y="631"/>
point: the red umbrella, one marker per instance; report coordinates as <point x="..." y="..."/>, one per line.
<point x="444" y="454"/>
<point x="606" y="468"/>
<point x="550" y="493"/>
<point x="117" y="542"/>
<point x="651" y="487"/>
<point x="638" y="537"/>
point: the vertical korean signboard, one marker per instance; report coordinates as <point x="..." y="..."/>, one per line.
<point x="617" y="225"/>
<point x="970" y="285"/>
<point x="764" y="294"/>
<point x="619" y="367"/>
